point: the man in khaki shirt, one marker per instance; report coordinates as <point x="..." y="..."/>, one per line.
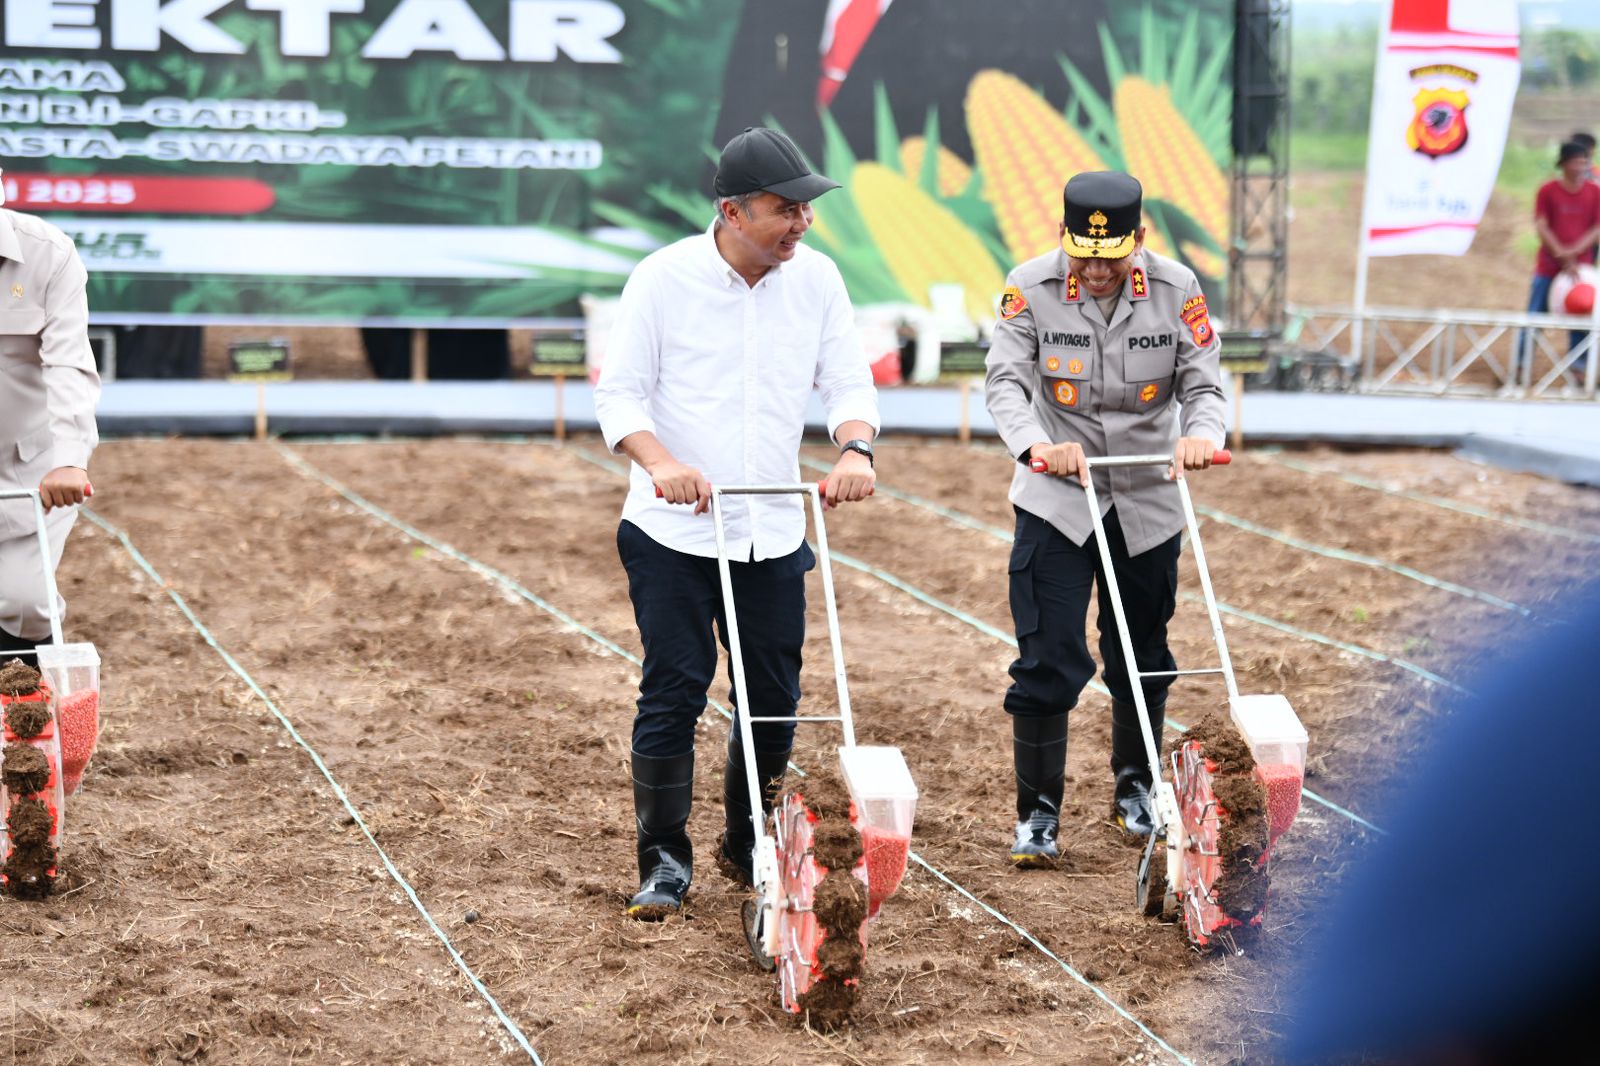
<point x="1097" y="344"/>
<point x="48" y="390"/>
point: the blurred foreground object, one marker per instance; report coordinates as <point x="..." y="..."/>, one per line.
<point x="1450" y="941"/>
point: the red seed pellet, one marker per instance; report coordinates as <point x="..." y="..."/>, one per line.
<point x="887" y="854"/>
<point x="1282" y="782"/>
<point x="79" y="716"/>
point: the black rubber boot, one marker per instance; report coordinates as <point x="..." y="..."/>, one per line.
<point x="1039" y="752"/>
<point x="662" y="792"/>
<point x="735" y="858"/>
<point x="1131" y="806"/>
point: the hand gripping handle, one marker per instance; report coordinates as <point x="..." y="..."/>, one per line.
<point x="1220" y="457"/>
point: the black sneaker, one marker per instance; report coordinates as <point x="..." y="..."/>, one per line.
<point x="1131" y="806"/>
<point x="1035" y="847"/>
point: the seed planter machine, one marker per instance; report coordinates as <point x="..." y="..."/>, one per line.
<point x="837" y="845"/>
<point x="49" y="720"/>
<point x="1227" y="792"/>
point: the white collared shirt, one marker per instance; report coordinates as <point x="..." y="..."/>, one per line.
<point x="722" y="372"/>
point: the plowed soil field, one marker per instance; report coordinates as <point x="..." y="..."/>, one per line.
<point x="220" y="903"/>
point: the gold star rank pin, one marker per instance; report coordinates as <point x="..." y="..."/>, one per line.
<point x="1097" y="224"/>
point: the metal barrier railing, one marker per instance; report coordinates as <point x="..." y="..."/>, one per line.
<point x="1511" y="354"/>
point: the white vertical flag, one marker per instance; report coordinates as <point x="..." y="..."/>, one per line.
<point x="1441" y="108"/>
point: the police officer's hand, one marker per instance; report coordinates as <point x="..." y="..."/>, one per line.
<point x="852" y="478"/>
<point x="1192" y="453"/>
<point x="682" y="484"/>
<point x="64" y="486"/>
<point x="1062" y="460"/>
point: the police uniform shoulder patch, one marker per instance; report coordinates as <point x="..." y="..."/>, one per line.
<point x="1198" y="319"/>
<point x="1069" y="291"/>
<point x="1012" y="303"/>
<point x="1141" y="288"/>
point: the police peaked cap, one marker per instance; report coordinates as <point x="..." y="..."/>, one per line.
<point x="1102" y="210"/>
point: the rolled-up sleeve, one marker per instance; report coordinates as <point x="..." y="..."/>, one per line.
<point x="844" y="380"/>
<point x="1011" y="378"/>
<point x="71" y="382"/>
<point x="632" y="363"/>
<point x="1199" y="377"/>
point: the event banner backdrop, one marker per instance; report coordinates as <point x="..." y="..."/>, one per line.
<point x="1446" y="78"/>
<point x="493" y="160"/>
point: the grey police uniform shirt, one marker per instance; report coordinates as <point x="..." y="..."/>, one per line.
<point x="1058" y="372"/>
<point x="48" y="382"/>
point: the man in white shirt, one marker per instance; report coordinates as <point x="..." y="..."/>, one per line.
<point x="719" y="340"/>
<point x="48" y="391"/>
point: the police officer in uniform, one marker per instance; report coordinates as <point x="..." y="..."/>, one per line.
<point x="48" y="390"/>
<point x="1095" y="345"/>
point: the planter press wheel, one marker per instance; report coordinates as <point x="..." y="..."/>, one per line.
<point x="1152" y="895"/>
<point x="754" y="927"/>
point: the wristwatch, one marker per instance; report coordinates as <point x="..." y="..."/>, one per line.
<point x="862" y="446"/>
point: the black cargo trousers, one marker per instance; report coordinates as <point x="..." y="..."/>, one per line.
<point x="1050" y="580"/>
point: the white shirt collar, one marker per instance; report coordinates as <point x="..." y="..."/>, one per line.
<point x="724" y="269"/>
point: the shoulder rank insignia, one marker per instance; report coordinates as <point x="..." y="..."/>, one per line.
<point x="1198" y="319"/>
<point x="1069" y="291"/>
<point x="1012" y="303"/>
<point x="1140" y="289"/>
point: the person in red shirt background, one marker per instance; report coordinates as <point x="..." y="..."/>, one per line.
<point x="1566" y="214"/>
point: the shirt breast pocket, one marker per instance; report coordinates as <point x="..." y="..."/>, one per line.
<point x="1149" y="366"/>
<point x="791" y="365"/>
<point x="1065" y="375"/>
<point x="19" y="334"/>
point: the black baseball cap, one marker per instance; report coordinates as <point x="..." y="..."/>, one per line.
<point x="1102" y="210"/>
<point x="763" y="160"/>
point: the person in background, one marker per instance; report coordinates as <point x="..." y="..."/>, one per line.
<point x="718" y="343"/>
<point x="1566" y="215"/>
<point x="48" y="391"/>
<point x="1588" y="142"/>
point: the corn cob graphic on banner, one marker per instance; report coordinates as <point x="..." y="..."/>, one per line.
<point x="922" y="242"/>
<point x="1166" y="155"/>
<point x="1026" y="152"/>
<point x="953" y="172"/>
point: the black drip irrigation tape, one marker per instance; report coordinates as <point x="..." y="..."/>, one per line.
<point x="338" y="790"/>
<point x="512" y="585"/>
<point x="1006" y="638"/>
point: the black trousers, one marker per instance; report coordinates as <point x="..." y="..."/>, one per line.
<point x="677" y="602"/>
<point x="1050" y="583"/>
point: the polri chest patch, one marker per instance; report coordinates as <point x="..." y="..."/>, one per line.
<point x="1150" y="342"/>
